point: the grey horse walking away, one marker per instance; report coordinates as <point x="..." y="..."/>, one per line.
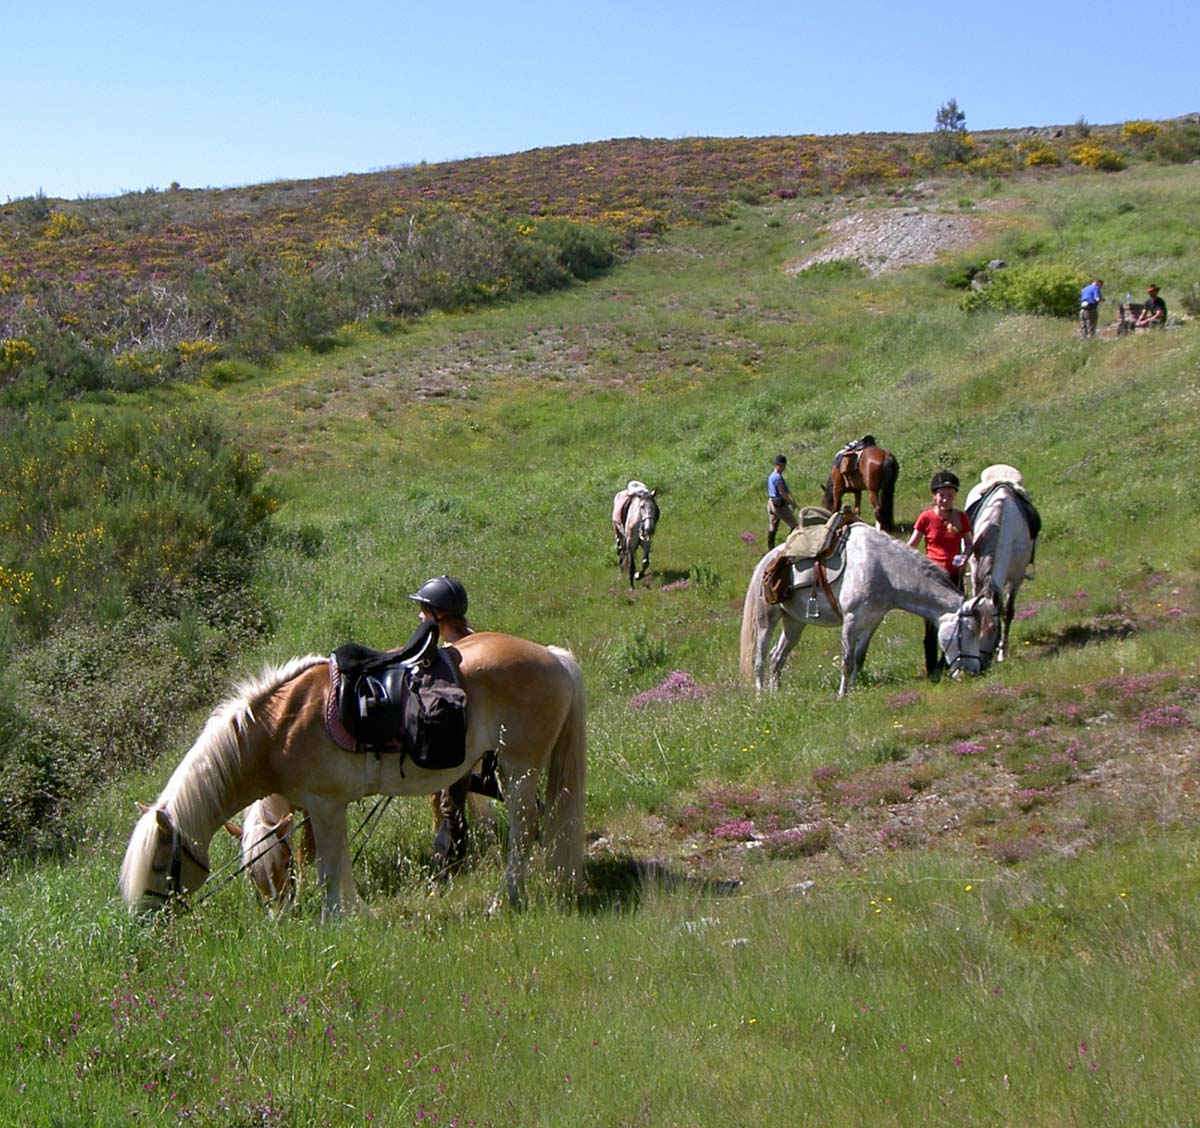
<point x="880" y="575"/>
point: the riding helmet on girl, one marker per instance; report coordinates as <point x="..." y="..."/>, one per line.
<point x="443" y="595"/>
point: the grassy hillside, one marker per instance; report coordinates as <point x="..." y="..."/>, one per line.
<point x="971" y="902"/>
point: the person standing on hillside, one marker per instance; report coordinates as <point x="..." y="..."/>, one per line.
<point x="443" y="600"/>
<point x="779" y="501"/>
<point x="947" y="533"/>
<point x="1090" y="298"/>
<point x="1154" y="312"/>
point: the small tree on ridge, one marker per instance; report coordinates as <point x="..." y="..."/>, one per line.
<point x="950" y="133"/>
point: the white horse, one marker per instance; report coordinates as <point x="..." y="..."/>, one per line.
<point x="524" y="701"/>
<point x="880" y="574"/>
<point x="1003" y="544"/>
<point x="634" y="521"/>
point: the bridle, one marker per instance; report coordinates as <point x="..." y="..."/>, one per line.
<point x="647" y="521"/>
<point x="963" y="634"/>
<point x="180" y="847"/>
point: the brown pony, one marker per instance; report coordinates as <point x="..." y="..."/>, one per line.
<point x="875" y="470"/>
<point x="524" y="701"/>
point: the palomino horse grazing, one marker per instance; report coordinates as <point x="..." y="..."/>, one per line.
<point x="524" y="701"/>
<point x="271" y="842"/>
<point x="275" y="840"/>
<point x="880" y="575"/>
<point x="875" y="471"/>
<point x="634" y="521"/>
<point x="1003" y="544"/>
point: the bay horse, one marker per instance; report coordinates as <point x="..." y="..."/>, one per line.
<point x="1004" y="543"/>
<point x="524" y="701"/>
<point x="880" y="575"/>
<point x="874" y="471"/>
<point x="635" y="516"/>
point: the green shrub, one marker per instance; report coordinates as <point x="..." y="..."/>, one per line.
<point x="107" y="507"/>
<point x="639" y="652"/>
<point x="704" y="576"/>
<point x="582" y="250"/>
<point x="1045" y="289"/>
<point x="1191" y="300"/>
<point x="1178" y="144"/>
<point x="836" y="270"/>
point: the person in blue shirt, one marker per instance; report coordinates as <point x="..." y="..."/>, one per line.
<point x="1090" y="298"/>
<point x="779" y="501"/>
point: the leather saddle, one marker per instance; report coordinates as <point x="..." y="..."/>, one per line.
<point x="813" y="556"/>
<point x="406" y="701"/>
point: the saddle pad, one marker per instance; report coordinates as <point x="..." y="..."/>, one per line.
<point x="834" y="565"/>
<point x="808" y="538"/>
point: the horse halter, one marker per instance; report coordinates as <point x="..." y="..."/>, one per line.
<point x="964" y="635"/>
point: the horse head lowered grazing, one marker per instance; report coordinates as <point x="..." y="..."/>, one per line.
<point x="1006" y="528"/>
<point x="524" y="701"/>
<point x="880" y="575"/>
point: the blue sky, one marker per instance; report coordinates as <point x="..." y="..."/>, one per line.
<point x="103" y="98"/>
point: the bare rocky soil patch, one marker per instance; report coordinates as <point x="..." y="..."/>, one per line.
<point x="889" y="239"/>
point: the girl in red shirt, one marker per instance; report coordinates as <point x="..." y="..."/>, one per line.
<point x="946" y="532"/>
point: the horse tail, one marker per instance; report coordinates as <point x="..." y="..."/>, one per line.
<point x="752" y="620"/>
<point x="889" y="471"/>
<point x="566" y="784"/>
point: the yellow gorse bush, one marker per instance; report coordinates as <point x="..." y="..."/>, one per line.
<point x="1042" y="155"/>
<point x="60" y="225"/>
<point x="15" y="353"/>
<point x="1139" y="132"/>
<point x="197" y="351"/>
<point x="1091" y="155"/>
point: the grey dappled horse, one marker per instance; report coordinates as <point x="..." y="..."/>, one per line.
<point x="1003" y="551"/>
<point x="880" y="575"/>
<point x="635" y="531"/>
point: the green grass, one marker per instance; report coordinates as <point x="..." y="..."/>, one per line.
<point x="1062" y="789"/>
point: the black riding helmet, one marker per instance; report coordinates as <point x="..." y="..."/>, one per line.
<point x="443" y="594"/>
<point x="943" y="478"/>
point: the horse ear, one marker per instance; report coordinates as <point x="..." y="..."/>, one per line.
<point x="234" y="829"/>
<point x="283" y="825"/>
<point x="142" y="808"/>
<point x="164" y="821"/>
<point x="654" y="492"/>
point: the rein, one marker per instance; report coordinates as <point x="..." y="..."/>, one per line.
<point x="254" y="853"/>
<point x="210" y="889"/>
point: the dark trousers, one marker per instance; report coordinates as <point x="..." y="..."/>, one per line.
<point x="934" y="662"/>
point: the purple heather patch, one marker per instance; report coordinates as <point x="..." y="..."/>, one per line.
<point x="678" y="685"/>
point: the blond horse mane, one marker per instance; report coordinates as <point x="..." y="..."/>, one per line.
<point x="205" y="774"/>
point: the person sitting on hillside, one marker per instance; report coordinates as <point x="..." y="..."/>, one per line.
<point x="1154" y="312"/>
